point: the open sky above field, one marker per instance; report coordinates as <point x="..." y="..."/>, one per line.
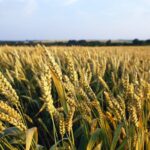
<point x="74" y="19"/>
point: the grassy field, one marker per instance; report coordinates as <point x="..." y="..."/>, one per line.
<point x="74" y="98"/>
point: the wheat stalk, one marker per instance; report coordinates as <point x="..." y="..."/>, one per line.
<point x="8" y="91"/>
<point x="13" y="121"/>
<point x="45" y="83"/>
<point x="10" y="111"/>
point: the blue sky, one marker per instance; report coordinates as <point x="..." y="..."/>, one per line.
<point x="74" y="19"/>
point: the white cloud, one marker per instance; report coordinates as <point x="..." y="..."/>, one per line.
<point x="70" y="2"/>
<point x="147" y="1"/>
<point x="31" y="6"/>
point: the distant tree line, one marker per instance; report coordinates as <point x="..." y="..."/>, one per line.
<point x="135" y="42"/>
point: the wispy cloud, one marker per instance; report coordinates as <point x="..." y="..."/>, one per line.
<point x="27" y="7"/>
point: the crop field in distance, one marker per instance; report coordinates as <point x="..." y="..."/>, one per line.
<point x="74" y="98"/>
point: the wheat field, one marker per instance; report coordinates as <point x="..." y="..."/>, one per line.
<point x="74" y="98"/>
